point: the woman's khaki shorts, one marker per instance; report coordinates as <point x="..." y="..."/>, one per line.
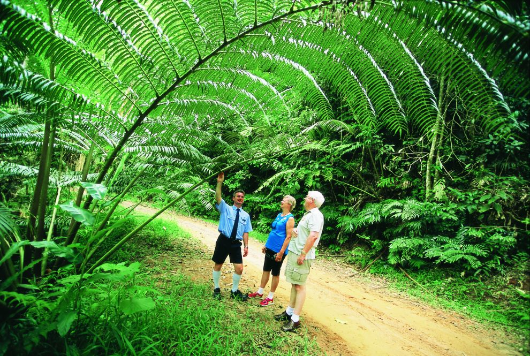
<point x="295" y="273"/>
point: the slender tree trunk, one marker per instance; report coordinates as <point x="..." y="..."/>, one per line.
<point x="43" y="199"/>
<point x="46" y="157"/>
<point x="438" y="173"/>
<point x="33" y="211"/>
<point x="434" y="145"/>
<point x="50" y="233"/>
<point x="79" y="198"/>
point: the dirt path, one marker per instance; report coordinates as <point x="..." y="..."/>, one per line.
<point x="352" y="315"/>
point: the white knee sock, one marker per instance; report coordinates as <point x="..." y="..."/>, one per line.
<point x="216" y="278"/>
<point x="235" y="280"/>
<point x="289" y="310"/>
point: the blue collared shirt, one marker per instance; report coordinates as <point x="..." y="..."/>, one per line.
<point x="226" y="220"/>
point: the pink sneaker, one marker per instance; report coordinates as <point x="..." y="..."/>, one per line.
<point x="266" y="301"/>
<point x="255" y="295"/>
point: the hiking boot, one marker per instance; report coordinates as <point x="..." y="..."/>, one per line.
<point x="282" y="317"/>
<point x="291" y="326"/>
<point x="217" y="293"/>
<point x="266" y="301"/>
<point x="255" y="295"/>
<point x="237" y="295"/>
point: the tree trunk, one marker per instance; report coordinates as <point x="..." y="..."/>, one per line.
<point x="45" y="164"/>
<point x="79" y="198"/>
<point x="434" y="142"/>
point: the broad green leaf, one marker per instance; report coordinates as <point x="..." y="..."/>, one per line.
<point x="503" y="195"/>
<point x="493" y="199"/>
<point x="60" y="251"/>
<point x="43" y="244"/>
<point x="484" y="208"/>
<point x="79" y="214"/>
<point x="485" y="197"/>
<point x="13" y="249"/>
<point x="65" y="320"/>
<point x="97" y="191"/>
<point x="70" y="279"/>
<point x="498" y="208"/>
<point x="135" y="305"/>
<point x="132" y="268"/>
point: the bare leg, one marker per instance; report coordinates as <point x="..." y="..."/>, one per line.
<point x="265" y="279"/>
<point x="300" y="298"/>
<point x="238" y="268"/>
<point x="275" y="282"/>
<point x="292" y="300"/>
<point x="217" y="266"/>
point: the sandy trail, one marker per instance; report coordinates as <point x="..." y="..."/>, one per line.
<point x="353" y="315"/>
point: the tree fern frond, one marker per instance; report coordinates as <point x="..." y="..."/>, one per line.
<point x="80" y="65"/>
<point x="12" y="169"/>
<point x="491" y="41"/>
<point x="443" y="56"/>
<point x="125" y="59"/>
<point x="299" y="77"/>
<point x="268" y="94"/>
<point x="182" y="29"/>
<point x="204" y="107"/>
<point x="392" y="208"/>
<point x="275" y="179"/>
<point x="236" y="96"/>
<point x="8" y="227"/>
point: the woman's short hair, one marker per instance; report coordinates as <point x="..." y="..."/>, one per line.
<point x="317" y="197"/>
<point x="291" y="200"/>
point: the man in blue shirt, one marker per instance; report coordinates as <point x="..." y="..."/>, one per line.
<point x="234" y="226"/>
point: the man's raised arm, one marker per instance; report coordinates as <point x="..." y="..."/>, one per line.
<point x="218" y="195"/>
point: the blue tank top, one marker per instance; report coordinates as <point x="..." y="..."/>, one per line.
<point x="278" y="233"/>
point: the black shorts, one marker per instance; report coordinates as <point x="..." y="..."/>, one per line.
<point x="270" y="262"/>
<point x="225" y="247"/>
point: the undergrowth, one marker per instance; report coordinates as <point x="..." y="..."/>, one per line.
<point x="188" y="321"/>
<point x="140" y="304"/>
<point x="498" y="300"/>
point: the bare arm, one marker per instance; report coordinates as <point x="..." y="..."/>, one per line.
<point x="245" y="244"/>
<point x="289" y="230"/>
<point x="311" y="239"/>
<point x="220" y="179"/>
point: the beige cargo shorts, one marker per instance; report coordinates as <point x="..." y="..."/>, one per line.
<point x="295" y="273"/>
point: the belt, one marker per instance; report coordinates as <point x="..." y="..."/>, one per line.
<point x="234" y="240"/>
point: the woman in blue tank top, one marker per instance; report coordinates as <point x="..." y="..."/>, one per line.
<point x="275" y="249"/>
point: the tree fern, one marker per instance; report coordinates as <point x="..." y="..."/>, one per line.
<point x="225" y="67"/>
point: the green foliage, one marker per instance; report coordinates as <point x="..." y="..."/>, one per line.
<point x="133" y="308"/>
<point x="419" y="233"/>
<point x="79" y="214"/>
<point x="410" y="117"/>
<point x="97" y="191"/>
